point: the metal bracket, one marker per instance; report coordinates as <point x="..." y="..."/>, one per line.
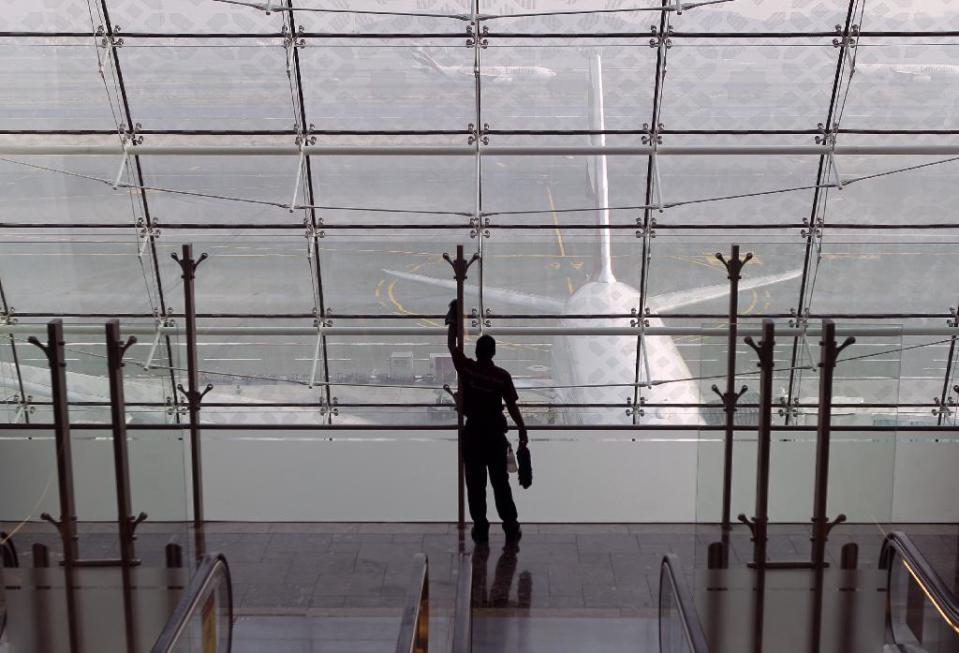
<point x="329" y="408"/>
<point x="136" y="521"/>
<point x="311" y="233"/>
<point x="828" y="137"/>
<point x="480" y="231"/>
<point x="813" y="230"/>
<point x="471" y="40"/>
<point x="128" y="138"/>
<point x="320" y="322"/>
<point x="660" y="39"/>
<point x="24" y="407"/>
<point x="459" y="269"/>
<point x="729" y="399"/>
<point x="158" y="321"/>
<point x="291" y="42"/>
<point x="58" y="524"/>
<point x="146" y="233"/>
<point x="302" y="140"/>
<point x="831" y="524"/>
<point x="944" y="408"/>
<point x="172" y="408"/>
<point x="751" y="522"/>
<point x="183" y="263"/>
<point x="734" y="267"/>
<point x="802" y="323"/>
<point x="637" y="408"/>
<point x="194" y="396"/>
<point x="849" y="42"/>
<point x="953" y="310"/>
<point x="7" y="316"/>
<point x="474" y="315"/>
<point x="647" y="233"/>
<point x="787" y="408"/>
<point x="480" y="135"/>
<point x="107" y="41"/>
<point x="654" y="139"/>
<point x="641" y="324"/>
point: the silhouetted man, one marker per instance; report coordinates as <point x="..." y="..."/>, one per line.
<point x="485" y="387"/>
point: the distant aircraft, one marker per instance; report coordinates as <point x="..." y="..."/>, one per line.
<point x="502" y="74"/>
<point x="604" y="367"/>
<point x="919" y="72"/>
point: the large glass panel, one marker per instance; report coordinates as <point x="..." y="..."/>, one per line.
<point x="919" y="15"/>
<point x="760" y="16"/>
<point x="538" y="87"/>
<point x="321" y="463"/>
<point x="260" y="187"/>
<point x="208" y="85"/>
<point x="179" y="16"/>
<point x="685" y="277"/>
<point x="878" y="274"/>
<point x="718" y="84"/>
<point x="765" y="190"/>
<point x="547" y="193"/>
<point x="393" y="191"/>
<point x="258" y="379"/>
<point x="48" y="16"/>
<point x="53" y="276"/>
<point x="898" y="85"/>
<point x="53" y="87"/>
<point x="411" y="17"/>
<point x="921" y="195"/>
<point x="252" y="272"/>
<point x="51" y="190"/>
<point x="427" y="86"/>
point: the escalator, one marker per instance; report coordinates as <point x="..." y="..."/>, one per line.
<point x="49" y="608"/>
<point x="903" y="606"/>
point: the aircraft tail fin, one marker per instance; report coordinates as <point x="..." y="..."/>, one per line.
<point x="599" y="178"/>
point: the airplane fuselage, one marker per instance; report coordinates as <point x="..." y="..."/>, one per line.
<point x="604" y="367"/>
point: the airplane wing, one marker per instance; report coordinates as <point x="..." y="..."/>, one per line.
<point x="673" y="300"/>
<point x="545" y="304"/>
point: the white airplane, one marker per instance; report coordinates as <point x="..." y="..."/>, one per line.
<point x="918" y="72"/>
<point x="603" y="368"/>
<point x="502" y="74"/>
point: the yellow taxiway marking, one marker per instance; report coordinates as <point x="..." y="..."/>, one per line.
<point x="559" y="236"/>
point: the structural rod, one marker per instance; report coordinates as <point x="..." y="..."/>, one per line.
<point x="359" y="330"/>
<point x="12" y="149"/>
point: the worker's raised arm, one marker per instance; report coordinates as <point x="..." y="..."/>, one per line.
<point x="452" y="321"/>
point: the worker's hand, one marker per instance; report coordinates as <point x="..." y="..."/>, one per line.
<point x="523" y="438"/>
<point x="453" y="314"/>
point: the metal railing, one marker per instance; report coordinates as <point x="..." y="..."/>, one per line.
<point x="923" y="585"/>
<point x="210" y="585"/>
<point x="674" y="596"/>
<point x="415" y="625"/>
<point x="461" y="631"/>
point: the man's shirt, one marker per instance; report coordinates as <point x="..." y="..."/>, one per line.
<point x="485" y="387"/>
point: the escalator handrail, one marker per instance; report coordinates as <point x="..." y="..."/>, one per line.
<point x="461" y="634"/>
<point x="692" y="626"/>
<point x="205" y="575"/>
<point x="932" y="585"/>
<point x="414" y="624"/>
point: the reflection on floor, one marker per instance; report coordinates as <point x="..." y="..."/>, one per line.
<point x="343" y="584"/>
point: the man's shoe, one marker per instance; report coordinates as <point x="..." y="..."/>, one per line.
<point x="513" y="534"/>
<point x="479" y="534"/>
